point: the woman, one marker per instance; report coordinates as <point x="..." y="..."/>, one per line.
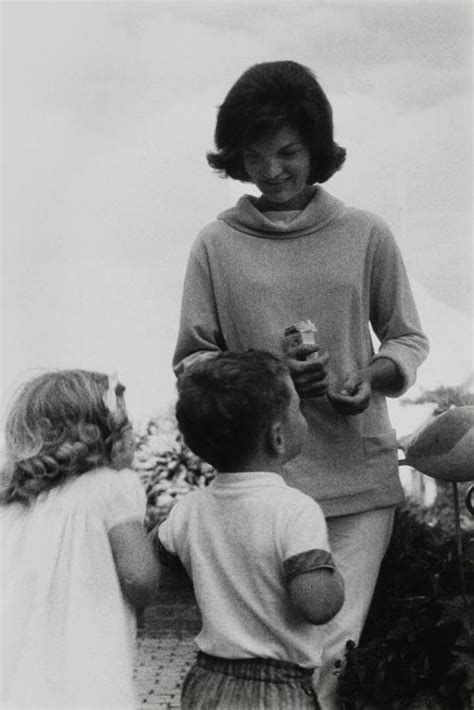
<point x="297" y="253"/>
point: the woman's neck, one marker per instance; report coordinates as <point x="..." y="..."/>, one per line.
<point x="298" y="202"/>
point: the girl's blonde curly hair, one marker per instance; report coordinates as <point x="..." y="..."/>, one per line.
<point x="58" y="426"/>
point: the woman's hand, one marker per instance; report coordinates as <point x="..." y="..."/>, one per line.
<point x="354" y="396"/>
<point x="309" y="370"/>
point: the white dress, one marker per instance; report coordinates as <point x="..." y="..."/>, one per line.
<point x="68" y="633"/>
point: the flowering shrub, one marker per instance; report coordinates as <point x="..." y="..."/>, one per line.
<point x="167" y="467"/>
<point x="417" y="648"/>
<point x="416" y="651"/>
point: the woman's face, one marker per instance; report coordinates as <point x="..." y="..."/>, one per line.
<point x="279" y="165"/>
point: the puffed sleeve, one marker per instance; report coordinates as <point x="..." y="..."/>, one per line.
<point x="199" y="330"/>
<point x="393" y="312"/>
<point x="305" y="545"/>
<point x="126" y="498"/>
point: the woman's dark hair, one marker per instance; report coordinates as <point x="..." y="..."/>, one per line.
<point x="227" y="403"/>
<point x="265" y="98"/>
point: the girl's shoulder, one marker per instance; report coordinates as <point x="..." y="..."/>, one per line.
<point x="115" y="483"/>
<point x="111" y="495"/>
<point x="108" y="479"/>
<point x="103" y="495"/>
<point x="112" y="475"/>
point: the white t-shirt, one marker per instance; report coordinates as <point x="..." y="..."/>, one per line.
<point x="68" y="632"/>
<point x="240" y="540"/>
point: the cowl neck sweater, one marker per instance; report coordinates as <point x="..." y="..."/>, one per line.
<point x="249" y="278"/>
<point x="320" y="211"/>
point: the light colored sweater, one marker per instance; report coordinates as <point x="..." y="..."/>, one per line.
<point x="249" y="277"/>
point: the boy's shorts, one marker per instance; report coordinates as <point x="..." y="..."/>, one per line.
<point x="247" y="684"/>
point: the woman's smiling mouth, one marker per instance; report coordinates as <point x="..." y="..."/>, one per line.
<point x="276" y="183"/>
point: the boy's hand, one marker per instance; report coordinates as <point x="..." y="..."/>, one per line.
<point x="309" y="369"/>
<point x="354" y="396"/>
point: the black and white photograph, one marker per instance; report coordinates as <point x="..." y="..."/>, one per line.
<point x="237" y="374"/>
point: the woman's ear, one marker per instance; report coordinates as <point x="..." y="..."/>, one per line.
<point x="276" y="439"/>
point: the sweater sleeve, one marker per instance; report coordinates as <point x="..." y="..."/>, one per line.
<point x="393" y="313"/>
<point x="199" y="330"/>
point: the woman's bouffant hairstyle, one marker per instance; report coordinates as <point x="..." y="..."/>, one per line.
<point x="266" y="97"/>
<point x="58" y="426"/>
<point x="227" y="403"/>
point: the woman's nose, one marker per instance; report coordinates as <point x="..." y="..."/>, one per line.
<point x="271" y="168"/>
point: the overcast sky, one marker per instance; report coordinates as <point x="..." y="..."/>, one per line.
<point x="108" y="110"/>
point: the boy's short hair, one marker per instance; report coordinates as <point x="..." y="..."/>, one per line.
<point x="265" y="98"/>
<point x="226" y="404"/>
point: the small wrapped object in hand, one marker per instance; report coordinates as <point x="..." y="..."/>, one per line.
<point x="302" y="332"/>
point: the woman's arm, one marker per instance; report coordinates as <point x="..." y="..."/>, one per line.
<point x="199" y="329"/>
<point x="137" y="567"/>
<point x="393" y="313"/>
<point x="394" y="318"/>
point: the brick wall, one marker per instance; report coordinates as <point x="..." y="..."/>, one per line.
<point x="175" y="611"/>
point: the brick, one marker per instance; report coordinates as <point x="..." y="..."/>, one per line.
<point x="166" y="651"/>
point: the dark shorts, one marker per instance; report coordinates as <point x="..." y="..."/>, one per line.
<point x="247" y="684"/>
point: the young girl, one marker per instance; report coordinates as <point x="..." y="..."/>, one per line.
<point x="296" y="253"/>
<point x="75" y="557"/>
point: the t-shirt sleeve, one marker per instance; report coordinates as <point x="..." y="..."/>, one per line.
<point x="126" y="499"/>
<point x="164" y="538"/>
<point x="163" y="552"/>
<point x="168" y="532"/>
<point x="305" y="546"/>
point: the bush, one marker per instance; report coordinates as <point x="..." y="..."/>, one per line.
<point x="167" y="467"/>
<point x="415" y="651"/>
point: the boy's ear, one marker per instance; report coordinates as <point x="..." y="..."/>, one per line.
<point x="276" y="439"/>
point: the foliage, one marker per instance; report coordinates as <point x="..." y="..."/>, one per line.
<point x="416" y="651"/>
<point x="445" y="397"/>
<point x="167" y="467"/>
<point x="442" y="509"/>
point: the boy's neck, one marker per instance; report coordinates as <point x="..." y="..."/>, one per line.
<point x="260" y="464"/>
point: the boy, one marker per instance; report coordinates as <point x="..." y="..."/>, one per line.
<point x="256" y="549"/>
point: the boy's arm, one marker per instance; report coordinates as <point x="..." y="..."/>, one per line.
<point x="315" y="587"/>
<point x="317" y="595"/>
<point x="170" y="563"/>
